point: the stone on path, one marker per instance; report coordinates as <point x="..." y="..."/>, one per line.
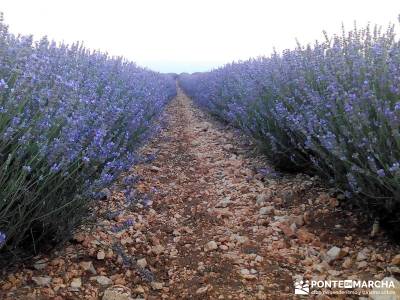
<point x="102" y="280"/>
<point x="117" y="292"/>
<point x="76" y="283"/>
<point x="210" y="246"/>
<point x="41" y="280"/>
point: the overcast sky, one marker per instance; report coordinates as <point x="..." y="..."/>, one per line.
<point x="191" y="35"/>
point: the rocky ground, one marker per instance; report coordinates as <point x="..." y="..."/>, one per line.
<point x="202" y="217"/>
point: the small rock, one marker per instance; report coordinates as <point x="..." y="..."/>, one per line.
<point x="155" y="169"/>
<point x="362" y="264"/>
<point x="396" y="260"/>
<point x="287" y="230"/>
<point x="299" y="220"/>
<point x="202" y="290"/>
<point x="261" y="199"/>
<point x="223" y="203"/>
<point x="347" y="263"/>
<point x="259" y="258"/>
<point x="79" y="237"/>
<point x="261" y="295"/>
<point x="307" y="261"/>
<point x="40" y="264"/>
<point x="278" y="244"/>
<point x="227" y="147"/>
<point x="240" y="238"/>
<point x="210" y="246"/>
<point x="361" y="256"/>
<point x="76" y="283"/>
<point x="42" y="281"/>
<point x="244" y="272"/>
<point x="223" y="247"/>
<point x="394" y="270"/>
<point x="333" y="254"/>
<point x="334" y="272"/>
<point x="305" y="236"/>
<point x="139" y="290"/>
<point x="266" y="210"/>
<point x="88" y="266"/>
<point x="262" y="222"/>
<point x="142" y="262"/>
<point x="101" y="255"/>
<point x="127" y="241"/>
<point x="249" y="276"/>
<point x="201" y="267"/>
<point x="158" y="249"/>
<point x="157" y="285"/>
<point x="322" y="267"/>
<point x="102" y="280"/>
<point x="117" y="292"/>
<point x="173" y="253"/>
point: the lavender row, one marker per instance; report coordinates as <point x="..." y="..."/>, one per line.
<point x="332" y="108"/>
<point x="71" y="120"/>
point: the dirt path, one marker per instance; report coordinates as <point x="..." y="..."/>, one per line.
<point x="205" y="212"/>
<point x="212" y="223"/>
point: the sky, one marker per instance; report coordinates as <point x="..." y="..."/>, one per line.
<point x="191" y="35"/>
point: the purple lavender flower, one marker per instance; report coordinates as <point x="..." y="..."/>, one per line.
<point x="129" y="222"/>
<point x="395" y="167"/>
<point x="3" y="238"/>
<point x="27" y="169"/>
<point x="3" y="84"/>
<point x="381" y="173"/>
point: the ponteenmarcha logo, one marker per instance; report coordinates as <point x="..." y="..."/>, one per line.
<point x="307" y="287"/>
<point x="301" y="287"/>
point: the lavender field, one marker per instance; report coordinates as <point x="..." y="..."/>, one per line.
<point x="330" y="109"/>
<point x="268" y="178"/>
<point x="70" y="122"/>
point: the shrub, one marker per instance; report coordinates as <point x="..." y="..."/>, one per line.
<point x="332" y="109"/>
<point x="70" y="122"/>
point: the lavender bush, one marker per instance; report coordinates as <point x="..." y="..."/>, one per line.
<point x="332" y="108"/>
<point x="70" y="122"/>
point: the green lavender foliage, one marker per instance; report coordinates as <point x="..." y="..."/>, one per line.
<point x="332" y="109"/>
